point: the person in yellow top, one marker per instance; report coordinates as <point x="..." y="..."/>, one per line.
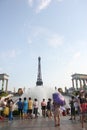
<point x="30" y="107"/>
<point x="6" y="111"/>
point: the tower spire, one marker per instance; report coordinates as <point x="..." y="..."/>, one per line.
<point x="39" y="77"/>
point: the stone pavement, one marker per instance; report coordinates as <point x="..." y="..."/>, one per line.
<point x="41" y="124"/>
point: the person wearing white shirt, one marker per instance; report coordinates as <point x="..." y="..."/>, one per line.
<point x="35" y="105"/>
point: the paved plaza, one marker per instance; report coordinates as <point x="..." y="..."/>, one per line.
<point x="41" y="123"/>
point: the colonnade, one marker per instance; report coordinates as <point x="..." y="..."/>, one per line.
<point x="79" y="81"/>
<point x="4" y="80"/>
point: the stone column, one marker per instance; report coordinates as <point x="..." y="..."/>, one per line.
<point x="2" y="84"/>
<point x="6" y="85"/>
<point x="80" y="83"/>
<point x="76" y="84"/>
<point x="73" y="83"/>
<point x="84" y="84"/>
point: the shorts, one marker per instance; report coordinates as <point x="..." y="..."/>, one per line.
<point x="29" y="111"/>
<point x="24" y="111"/>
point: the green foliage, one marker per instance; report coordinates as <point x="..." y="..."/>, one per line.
<point x="75" y="93"/>
<point x="3" y="94"/>
<point x="15" y="113"/>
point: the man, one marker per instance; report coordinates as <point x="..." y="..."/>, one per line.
<point x="30" y="107"/>
<point x="20" y="107"/>
<point x="73" y="113"/>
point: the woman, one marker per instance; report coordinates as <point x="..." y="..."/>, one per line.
<point x="11" y="103"/>
<point x="56" y="111"/>
<point x="43" y="107"/>
<point x="49" y="108"/>
<point x="82" y="105"/>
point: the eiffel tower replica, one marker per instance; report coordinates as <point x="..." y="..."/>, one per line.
<point x="39" y="77"/>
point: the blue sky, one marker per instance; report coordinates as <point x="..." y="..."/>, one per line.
<point x="55" y="30"/>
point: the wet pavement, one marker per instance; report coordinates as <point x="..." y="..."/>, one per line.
<point x="41" y="123"/>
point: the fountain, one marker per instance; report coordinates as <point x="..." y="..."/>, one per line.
<point x="39" y="92"/>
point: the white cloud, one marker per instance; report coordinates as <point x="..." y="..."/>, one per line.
<point x="59" y="0"/>
<point x="30" y="2"/>
<point x="1" y="69"/>
<point x="75" y="63"/>
<point x="77" y="55"/>
<point x="43" y="4"/>
<point x="51" y="38"/>
<point x="55" y="40"/>
<point x="29" y="41"/>
<point x="10" y="54"/>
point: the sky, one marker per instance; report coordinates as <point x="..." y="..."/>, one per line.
<point x="55" y="30"/>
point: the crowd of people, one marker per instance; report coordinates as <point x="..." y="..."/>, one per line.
<point x="78" y="106"/>
<point x="6" y="106"/>
<point x="28" y="108"/>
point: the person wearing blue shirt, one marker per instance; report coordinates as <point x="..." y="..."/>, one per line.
<point x="20" y="107"/>
<point x="25" y="108"/>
